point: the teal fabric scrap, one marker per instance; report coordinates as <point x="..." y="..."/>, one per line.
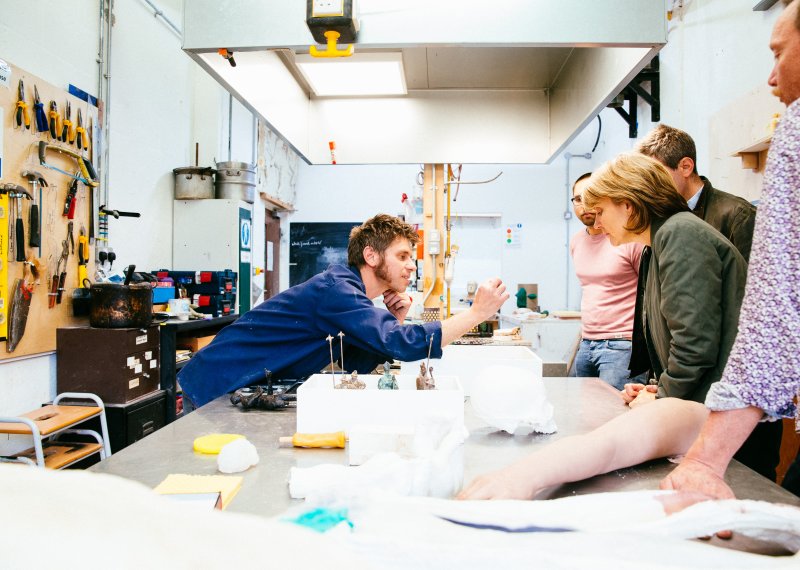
<point x="321" y="519"/>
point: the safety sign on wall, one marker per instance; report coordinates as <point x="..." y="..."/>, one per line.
<point x="512" y="236"/>
<point x="245" y="237"/>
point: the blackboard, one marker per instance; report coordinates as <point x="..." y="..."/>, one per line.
<point x="313" y="246"/>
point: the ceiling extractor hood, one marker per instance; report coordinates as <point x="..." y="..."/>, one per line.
<point x="510" y="81"/>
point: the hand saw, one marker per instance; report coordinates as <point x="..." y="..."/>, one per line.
<point x="21" y="296"/>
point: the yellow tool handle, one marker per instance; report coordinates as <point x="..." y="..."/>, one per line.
<point x="83" y="275"/>
<point x="70" y="131"/>
<point x="55" y="124"/>
<point x="336" y="439"/>
<point x="83" y="248"/>
<point x="26" y="115"/>
<point x="84" y="138"/>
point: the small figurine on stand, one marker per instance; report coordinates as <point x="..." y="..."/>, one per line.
<point x="387" y="381"/>
<point x="422" y="378"/>
<point x="425" y="379"/>
<point x="351" y="383"/>
<point x="345" y="383"/>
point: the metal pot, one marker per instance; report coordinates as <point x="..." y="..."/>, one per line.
<point x="194" y="183"/>
<point x="115" y="305"/>
<point x="236" y="181"/>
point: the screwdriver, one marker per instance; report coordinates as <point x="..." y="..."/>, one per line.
<point x="336" y="439"/>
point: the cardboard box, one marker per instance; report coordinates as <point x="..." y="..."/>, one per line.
<point x="194" y="343"/>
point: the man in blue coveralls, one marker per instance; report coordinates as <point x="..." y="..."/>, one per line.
<point x="287" y="334"/>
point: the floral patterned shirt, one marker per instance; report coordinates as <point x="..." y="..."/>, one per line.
<point x="763" y="369"/>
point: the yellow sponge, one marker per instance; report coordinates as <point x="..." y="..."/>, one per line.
<point x="213" y="442"/>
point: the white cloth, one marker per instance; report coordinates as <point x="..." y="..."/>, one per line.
<point x="436" y="470"/>
<point x="615" y="531"/>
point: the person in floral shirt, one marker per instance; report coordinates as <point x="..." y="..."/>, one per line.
<point x="762" y="376"/>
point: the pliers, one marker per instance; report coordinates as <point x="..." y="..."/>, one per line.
<point x="23" y="116"/>
<point x="38" y="112"/>
<point x="68" y="131"/>
<point x="83" y="140"/>
<point x="55" y="121"/>
<point x="59" y="277"/>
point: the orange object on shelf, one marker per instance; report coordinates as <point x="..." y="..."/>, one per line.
<point x="332" y="146"/>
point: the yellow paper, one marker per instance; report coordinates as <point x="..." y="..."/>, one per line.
<point x="177" y="484"/>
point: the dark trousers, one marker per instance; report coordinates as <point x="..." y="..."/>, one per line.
<point x="761" y="452"/>
<point x="791" y="482"/>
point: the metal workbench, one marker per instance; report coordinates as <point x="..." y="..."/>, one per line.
<point x="581" y="404"/>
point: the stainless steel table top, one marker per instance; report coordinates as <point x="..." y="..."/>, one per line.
<point x="581" y="404"/>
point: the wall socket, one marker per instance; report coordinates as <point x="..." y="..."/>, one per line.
<point x="322" y="8"/>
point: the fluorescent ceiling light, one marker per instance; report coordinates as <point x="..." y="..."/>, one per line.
<point x="359" y="74"/>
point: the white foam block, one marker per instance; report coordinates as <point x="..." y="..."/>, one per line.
<point x="323" y="409"/>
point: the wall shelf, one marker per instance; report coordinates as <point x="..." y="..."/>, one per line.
<point x="755" y="155"/>
<point x="477" y="215"/>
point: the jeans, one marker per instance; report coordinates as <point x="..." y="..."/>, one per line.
<point x="607" y="359"/>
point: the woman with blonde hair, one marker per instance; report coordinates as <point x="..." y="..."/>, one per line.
<point x="691" y="281"/>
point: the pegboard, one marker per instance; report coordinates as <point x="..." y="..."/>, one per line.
<point x="19" y="152"/>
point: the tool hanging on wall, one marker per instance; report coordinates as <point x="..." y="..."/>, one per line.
<point x="88" y="174"/>
<point x="118" y="214"/>
<point x="38" y="112"/>
<point x="80" y="134"/>
<point x="54" y="292"/>
<point x="36" y="181"/>
<point x="68" y="129"/>
<point x="23" y="117"/>
<point x="83" y="259"/>
<point x="71" y="199"/>
<point x="56" y="125"/>
<point x="21" y="295"/>
<point x="16" y="240"/>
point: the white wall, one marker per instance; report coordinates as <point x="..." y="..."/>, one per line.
<point x="532" y="195"/>
<point x="162" y="104"/>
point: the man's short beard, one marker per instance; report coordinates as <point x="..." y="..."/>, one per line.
<point x="380" y="270"/>
<point x="585" y="224"/>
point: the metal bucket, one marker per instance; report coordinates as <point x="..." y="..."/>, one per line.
<point x="194" y="183"/>
<point x="236" y="181"/>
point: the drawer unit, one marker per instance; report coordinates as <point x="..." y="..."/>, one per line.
<point x="119" y="365"/>
<point x="128" y="423"/>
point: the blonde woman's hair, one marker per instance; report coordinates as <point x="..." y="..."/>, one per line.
<point x="642" y="182"/>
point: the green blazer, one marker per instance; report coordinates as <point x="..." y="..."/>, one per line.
<point x="692" y="297"/>
<point x="734" y="217"/>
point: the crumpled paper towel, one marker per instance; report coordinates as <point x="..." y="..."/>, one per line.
<point x="237" y="456"/>
<point x="511" y="398"/>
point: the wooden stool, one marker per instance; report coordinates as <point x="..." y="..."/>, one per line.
<point x="46" y="424"/>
